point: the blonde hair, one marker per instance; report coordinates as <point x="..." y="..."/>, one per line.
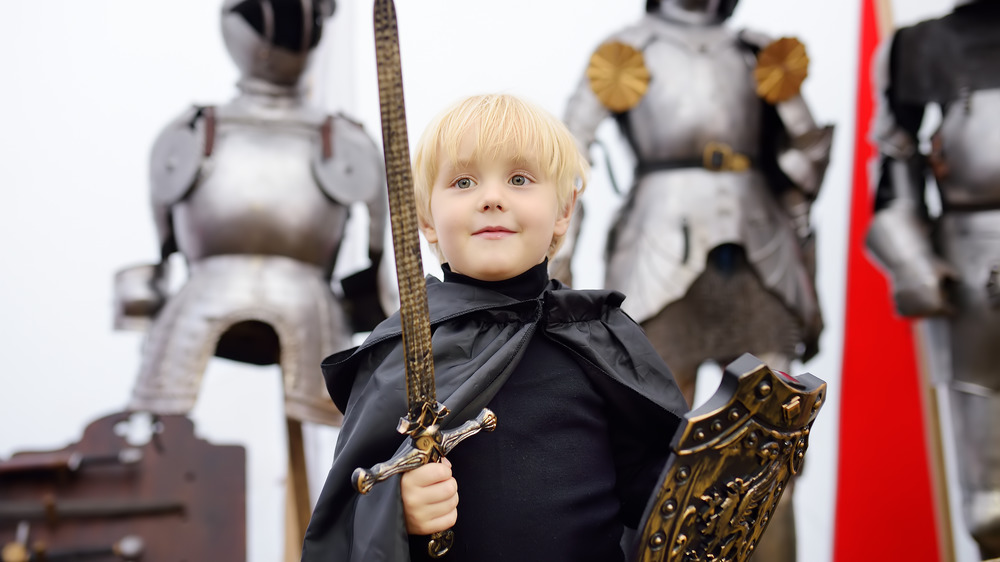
<point x="507" y="127"/>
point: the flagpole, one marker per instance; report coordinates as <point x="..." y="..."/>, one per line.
<point x="883" y="18"/>
<point x="933" y="395"/>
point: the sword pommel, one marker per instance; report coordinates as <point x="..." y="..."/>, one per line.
<point x="440" y="543"/>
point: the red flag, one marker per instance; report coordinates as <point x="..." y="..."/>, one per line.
<point x="885" y="499"/>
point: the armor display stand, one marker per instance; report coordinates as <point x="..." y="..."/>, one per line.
<point x="298" y="508"/>
<point x="713" y="245"/>
<point x="255" y="195"/>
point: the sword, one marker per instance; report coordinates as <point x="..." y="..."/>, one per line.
<point x="424" y="413"/>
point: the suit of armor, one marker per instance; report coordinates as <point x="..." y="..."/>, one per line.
<point x="255" y="196"/>
<point x="949" y="264"/>
<point x="712" y="247"/>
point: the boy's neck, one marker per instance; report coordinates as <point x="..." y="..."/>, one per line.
<point x="527" y="285"/>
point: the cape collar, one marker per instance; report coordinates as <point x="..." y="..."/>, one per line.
<point x="525" y="286"/>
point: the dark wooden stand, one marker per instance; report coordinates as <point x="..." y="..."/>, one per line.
<point x="184" y="498"/>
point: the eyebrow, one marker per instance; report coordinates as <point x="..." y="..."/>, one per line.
<point x="531" y="164"/>
<point x="450" y="167"/>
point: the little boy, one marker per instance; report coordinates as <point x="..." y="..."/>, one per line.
<point x="586" y="407"/>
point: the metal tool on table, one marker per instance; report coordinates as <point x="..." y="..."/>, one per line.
<point x="424" y="415"/>
<point x="129" y="547"/>
<point x="69" y="461"/>
<point x="52" y="510"/>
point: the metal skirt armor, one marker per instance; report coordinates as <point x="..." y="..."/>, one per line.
<point x="293" y="298"/>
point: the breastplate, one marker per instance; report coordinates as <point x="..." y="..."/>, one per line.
<point x="701" y="92"/>
<point x="257" y="195"/>
<point x="969" y="142"/>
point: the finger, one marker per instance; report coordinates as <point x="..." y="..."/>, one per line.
<point x="427" y="475"/>
<point x="433" y="494"/>
<point x="426" y="518"/>
<point x="437" y="524"/>
<point x="427" y="512"/>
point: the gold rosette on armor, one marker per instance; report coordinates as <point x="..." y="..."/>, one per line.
<point x="782" y="66"/>
<point x="618" y="75"/>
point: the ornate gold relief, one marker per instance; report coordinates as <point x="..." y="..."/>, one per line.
<point x="731" y="461"/>
<point x="618" y="75"/>
<point x="782" y="66"/>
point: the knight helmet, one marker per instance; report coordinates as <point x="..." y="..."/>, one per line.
<point x="694" y="11"/>
<point x="271" y="40"/>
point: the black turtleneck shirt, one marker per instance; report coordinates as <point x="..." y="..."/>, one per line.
<point x="552" y="482"/>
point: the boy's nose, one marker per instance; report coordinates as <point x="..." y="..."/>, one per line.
<point x="492" y="198"/>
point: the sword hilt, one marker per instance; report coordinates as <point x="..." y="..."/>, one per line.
<point x="422" y="449"/>
<point x="426" y="445"/>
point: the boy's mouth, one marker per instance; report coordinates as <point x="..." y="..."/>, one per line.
<point x="492" y="232"/>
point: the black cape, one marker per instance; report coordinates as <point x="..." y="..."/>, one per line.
<point x="479" y="336"/>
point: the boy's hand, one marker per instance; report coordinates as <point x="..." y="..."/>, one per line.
<point x="430" y="498"/>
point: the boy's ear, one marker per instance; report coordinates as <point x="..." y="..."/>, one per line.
<point x="429" y="232"/>
<point x="563" y="220"/>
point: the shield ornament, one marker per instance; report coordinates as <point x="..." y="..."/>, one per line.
<point x="782" y="66"/>
<point x="732" y="459"/>
<point x="618" y="75"/>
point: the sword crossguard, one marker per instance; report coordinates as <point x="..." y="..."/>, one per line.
<point x="426" y="445"/>
<point x="485" y="421"/>
<point x="423" y="446"/>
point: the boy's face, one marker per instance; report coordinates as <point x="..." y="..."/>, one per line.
<point x="493" y="219"/>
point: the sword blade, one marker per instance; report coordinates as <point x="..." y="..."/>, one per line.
<point x="413" y="310"/>
<point x="424" y="411"/>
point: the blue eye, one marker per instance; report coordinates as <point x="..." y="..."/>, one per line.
<point x="519" y="180"/>
<point x="464" y="183"/>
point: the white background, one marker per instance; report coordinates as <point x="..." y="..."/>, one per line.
<point x="88" y="85"/>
